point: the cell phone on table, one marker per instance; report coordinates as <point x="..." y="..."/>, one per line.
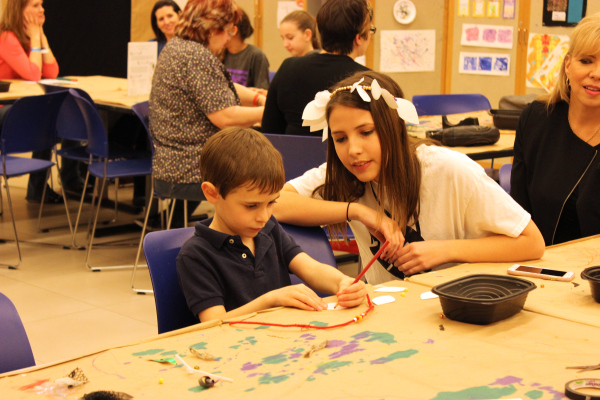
<point x="542" y="273"/>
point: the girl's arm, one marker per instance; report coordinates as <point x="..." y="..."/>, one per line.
<point x="14" y="55"/>
<point x="49" y="64"/>
<point x="248" y="96"/>
<point x="421" y="256"/>
<point x="236" y="116"/>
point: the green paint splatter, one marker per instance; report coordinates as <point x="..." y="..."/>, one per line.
<point x="382" y="337"/>
<point x="262" y="327"/>
<point x="199" y="346"/>
<point x="197" y="389"/>
<point x="322" y="368"/>
<point x="249" y="340"/>
<point x="311" y="378"/>
<point x="480" y="392"/>
<point x="169" y="353"/>
<point x="300" y="350"/>
<point x="276" y="359"/>
<point x="395" y="356"/>
<point x="318" y="323"/>
<point x="150" y="352"/>
<point x="237" y="346"/>
<point x="534" y="394"/>
<point x="267" y="378"/>
<point x="249" y="390"/>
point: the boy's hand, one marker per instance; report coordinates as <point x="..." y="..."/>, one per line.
<point x="349" y="294"/>
<point x="299" y="296"/>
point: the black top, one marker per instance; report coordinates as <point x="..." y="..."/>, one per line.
<point x="550" y="162"/>
<point x="218" y="269"/>
<point x="295" y="85"/>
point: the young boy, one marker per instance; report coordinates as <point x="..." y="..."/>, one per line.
<point x="239" y="261"/>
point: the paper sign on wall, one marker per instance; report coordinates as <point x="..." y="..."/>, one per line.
<point x="545" y="54"/>
<point x="407" y="51"/>
<point x="141" y="61"/>
<point x="284" y="8"/>
<point x="497" y="36"/>
<point x="484" y="64"/>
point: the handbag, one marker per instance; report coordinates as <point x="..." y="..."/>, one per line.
<point x="472" y="135"/>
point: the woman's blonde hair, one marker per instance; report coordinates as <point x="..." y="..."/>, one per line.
<point x="585" y="40"/>
<point x="12" y="21"/>
<point x="199" y="17"/>
<point x="400" y="176"/>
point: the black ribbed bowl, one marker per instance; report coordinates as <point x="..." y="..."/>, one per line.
<point x="4" y="86"/>
<point x="592" y="274"/>
<point x="482" y="298"/>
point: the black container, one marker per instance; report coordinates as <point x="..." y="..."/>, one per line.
<point x="506" y="119"/>
<point x="592" y="274"/>
<point x="4" y="85"/>
<point x="483" y="299"/>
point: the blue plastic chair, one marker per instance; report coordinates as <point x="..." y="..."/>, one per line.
<point x="161" y="250"/>
<point x="504" y="177"/>
<point x="102" y="167"/>
<point x="14" y="344"/>
<point x="445" y="104"/>
<point x="271" y="76"/>
<point x="30" y="125"/>
<point x="299" y="153"/>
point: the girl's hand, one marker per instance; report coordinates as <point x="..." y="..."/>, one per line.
<point x="299" y="296"/>
<point x="351" y="295"/>
<point x="32" y="25"/>
<point x="421" y="256"/>
<point x="387" y="230"/>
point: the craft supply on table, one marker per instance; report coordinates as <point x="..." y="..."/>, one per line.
<point x="573" y="389"/>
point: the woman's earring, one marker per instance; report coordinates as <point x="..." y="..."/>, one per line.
<point x="568" y="82"/>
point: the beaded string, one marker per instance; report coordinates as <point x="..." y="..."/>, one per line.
<point x="365" y="87"/>
<point x="357" y="318"/>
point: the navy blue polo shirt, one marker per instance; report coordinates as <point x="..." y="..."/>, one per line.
<point x="218" y="269"/>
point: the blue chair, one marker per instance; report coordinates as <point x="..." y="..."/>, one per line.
<point x="299" y="153"/>
<point x="14" y="344"/>
<point x="30" y="125"/>
<point x="102" y="167"/>
<point x="504" y="177"/>
<point x="161" y="250"/>
<point x="271" y="76"/>
<point x="445" y="104"/>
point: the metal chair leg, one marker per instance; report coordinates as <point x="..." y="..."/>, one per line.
<point x="139" y="251"/>
<point x="12" y="215"/>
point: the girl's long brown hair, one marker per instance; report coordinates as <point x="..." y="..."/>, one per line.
<point x="12" y="21"/>
<point x="400" y="175"/>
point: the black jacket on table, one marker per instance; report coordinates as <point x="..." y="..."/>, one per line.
<point x="550" y="161"/>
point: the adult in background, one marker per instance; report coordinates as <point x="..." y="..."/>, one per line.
<point x="246" y="63"/>
<point x="298" y="30"/>
<point x="556" y="169"/>
<point x="345" y="27"/>
<point x="193" y="97"/>
<point x="25" y="54"/>
<point x="164" y="19"/>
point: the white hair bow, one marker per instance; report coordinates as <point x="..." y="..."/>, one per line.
<point x="314" y="112"/>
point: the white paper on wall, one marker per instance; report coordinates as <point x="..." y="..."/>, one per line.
<point x="141" y="61"/>
<point x="407" y="51"/>
<point x="484" y="64"/>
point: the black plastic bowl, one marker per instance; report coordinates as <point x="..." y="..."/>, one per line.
<point x="4" y="85"/>
<point x="483" y="299"/>
<point x="592" y="274"/>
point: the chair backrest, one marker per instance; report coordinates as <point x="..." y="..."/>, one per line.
<point x="299" y="153"/>
<point x="504" y="177"/>
<point x="142" y="110"/>
<point x="161" y="250"/>
<point x="15" y="351"/>
<point x="445" y="104"/>
<point x="271" y="75"/>
<point x="97" y="140"/>
<point x="70" y="123"/>
<point x="30" y="124"/>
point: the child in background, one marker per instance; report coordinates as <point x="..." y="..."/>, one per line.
<point x="299" y="33"/>
<point x="246" y="63"/>
<point x="239" y="261"/>
<point x="434" y="205"/>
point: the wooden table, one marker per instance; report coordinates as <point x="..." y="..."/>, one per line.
<point x="106" y="91"/>
<point x="402" y="350"/>
<point x="567" y="300"/>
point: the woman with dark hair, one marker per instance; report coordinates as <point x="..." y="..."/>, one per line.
<point x="164" y="19"/>
<point x="193" y="97"/>
<point x="434" y="205"/>
<point x="25" y="54"/>
<point x="346" y="28"/>
<point x="246" y="63"/>
<point x="299" y="33"/>
<point x="556" y="171"/>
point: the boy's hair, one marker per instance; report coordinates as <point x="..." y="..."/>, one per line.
<point x="160" y="37"/>
<point x="245" y="29"/>
<point x="304" y="21"/>
<point x="237" y="157"/>
<point x="339" y="21"/>
<point x="400" y="175"/>
<point x="585" y="40"/>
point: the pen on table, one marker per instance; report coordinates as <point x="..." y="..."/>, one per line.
<point x="375" y="257"/>
<point x="66" y="79"/>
